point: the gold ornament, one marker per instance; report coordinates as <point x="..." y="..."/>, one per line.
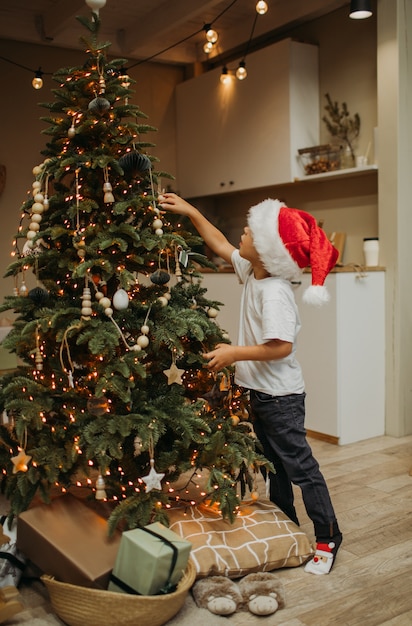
<point x="174" y="375"/>
<point x="20" y="461"/>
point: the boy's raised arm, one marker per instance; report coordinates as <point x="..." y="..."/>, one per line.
<point x="211" y="235"/>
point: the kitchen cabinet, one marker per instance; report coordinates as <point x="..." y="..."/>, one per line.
<point x="341" y="347"/>
<point x="246" y="135"/>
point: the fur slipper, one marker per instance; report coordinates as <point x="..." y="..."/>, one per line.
<point x="218" y="594"/>
<point x="262" y="593"/>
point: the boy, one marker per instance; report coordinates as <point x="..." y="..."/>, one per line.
<point x="276" y="244"/>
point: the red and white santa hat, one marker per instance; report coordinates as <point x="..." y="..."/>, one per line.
<point x="289" y="240"/>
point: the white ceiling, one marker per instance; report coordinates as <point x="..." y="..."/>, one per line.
<point x="141" y="29"/>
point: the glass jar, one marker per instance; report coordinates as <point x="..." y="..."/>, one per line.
<point x="347" y="159"/>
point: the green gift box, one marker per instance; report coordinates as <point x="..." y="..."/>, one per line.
<point x="150" y="561"/>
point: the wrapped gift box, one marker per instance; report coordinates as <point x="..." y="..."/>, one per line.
<point x="150" y="560"/>
<point x="69" y="541"/>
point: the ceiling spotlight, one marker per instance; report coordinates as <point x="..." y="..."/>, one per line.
<point x="360" y="9"/>
<point x="37" y="81"/>
<point x="261" y="7"/>
<point x="241" y="71"/>
<point x="211" y="35"/>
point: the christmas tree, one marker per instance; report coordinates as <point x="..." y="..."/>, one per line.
<point x="112" y="394"/>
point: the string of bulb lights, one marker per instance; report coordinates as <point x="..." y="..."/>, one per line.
<point x="359" y="9"/>
<point x="211" y="43"/>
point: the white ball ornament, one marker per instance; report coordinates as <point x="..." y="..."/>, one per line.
<point x="145" y="329"/>
<point x="36" y="217"/>
<point x="99" y="295"/>
<point x="143" y="341"/>
<point x="36" y="186"/>
<point x="159" y="231"/>
<point x="163" y="301"/>
<point x="37" y="208"/>
<point x="71" y="132"/>
<point x="212" y="312"/>
<point x="105" y="302"/>
<point x="108" y="311"/>
<point x="36" y="170"/>
<point x="39" y="197"/>
<point x="136" y="348"/>
<point x="121" y="300"/>
<point x="157" y="224"/>
<point x="31" y="234"/>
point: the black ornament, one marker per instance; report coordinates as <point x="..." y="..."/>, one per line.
<point x="160" y="277"/>
<point x="134" y="163"/>
<point x="97" y="406"/>
<point x="38" y="295"/>
<point x="215" y="397"/>
<point x="99" y="105"/>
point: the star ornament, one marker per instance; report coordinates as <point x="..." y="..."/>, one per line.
<point x="174" y="375"/>
<point x="20" y="461"/>
<point x="153" y="479"/>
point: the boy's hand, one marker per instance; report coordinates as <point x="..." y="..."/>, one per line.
<point x="219" y="358"/>
<point x="175" y="204"/>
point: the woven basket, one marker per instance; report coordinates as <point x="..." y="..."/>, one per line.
<point x="83" y="606"/>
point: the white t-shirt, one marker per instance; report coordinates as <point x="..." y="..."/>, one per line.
<point x="268" y="311"/>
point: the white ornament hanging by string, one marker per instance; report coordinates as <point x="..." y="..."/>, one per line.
<point x="121" y="300"/>
<point x="100" y="488"/>
<point x="95" y="5"/>
<point x="86" y="303"/>
<point x="153" y="478"/>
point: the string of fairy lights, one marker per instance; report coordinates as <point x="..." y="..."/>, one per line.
<point x="211" y="45"/>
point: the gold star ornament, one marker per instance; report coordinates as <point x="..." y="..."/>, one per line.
<point x="20" y="461"/>
<point x="174" y="375"/>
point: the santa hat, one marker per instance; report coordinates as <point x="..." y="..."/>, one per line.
<point x="289" y="240"/>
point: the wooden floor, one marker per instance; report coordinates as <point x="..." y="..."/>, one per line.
<point x="371" y="582"/>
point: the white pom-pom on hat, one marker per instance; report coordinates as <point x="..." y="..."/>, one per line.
<point x="289" y="240"/>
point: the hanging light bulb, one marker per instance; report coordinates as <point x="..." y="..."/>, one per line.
<point x="261" y="7"/>
<point x="211" y="35"/>
<point x="241" y="71"/>
<point x="37" y="81"/>
<point x="360" y="9"/>
<point x="208" y="47"/>
<point x="225" y="77"/>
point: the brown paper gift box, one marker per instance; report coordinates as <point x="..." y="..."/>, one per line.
<point x="69" y="541"/>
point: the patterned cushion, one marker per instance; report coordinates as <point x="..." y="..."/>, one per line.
<point x="262" y="538"/>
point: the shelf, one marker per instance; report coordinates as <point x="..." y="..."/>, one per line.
<point x="347" y="173"/>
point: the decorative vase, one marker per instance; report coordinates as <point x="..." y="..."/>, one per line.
<point x="347" y="159"/>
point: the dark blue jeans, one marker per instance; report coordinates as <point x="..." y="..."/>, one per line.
<point x="279" y="425"/>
